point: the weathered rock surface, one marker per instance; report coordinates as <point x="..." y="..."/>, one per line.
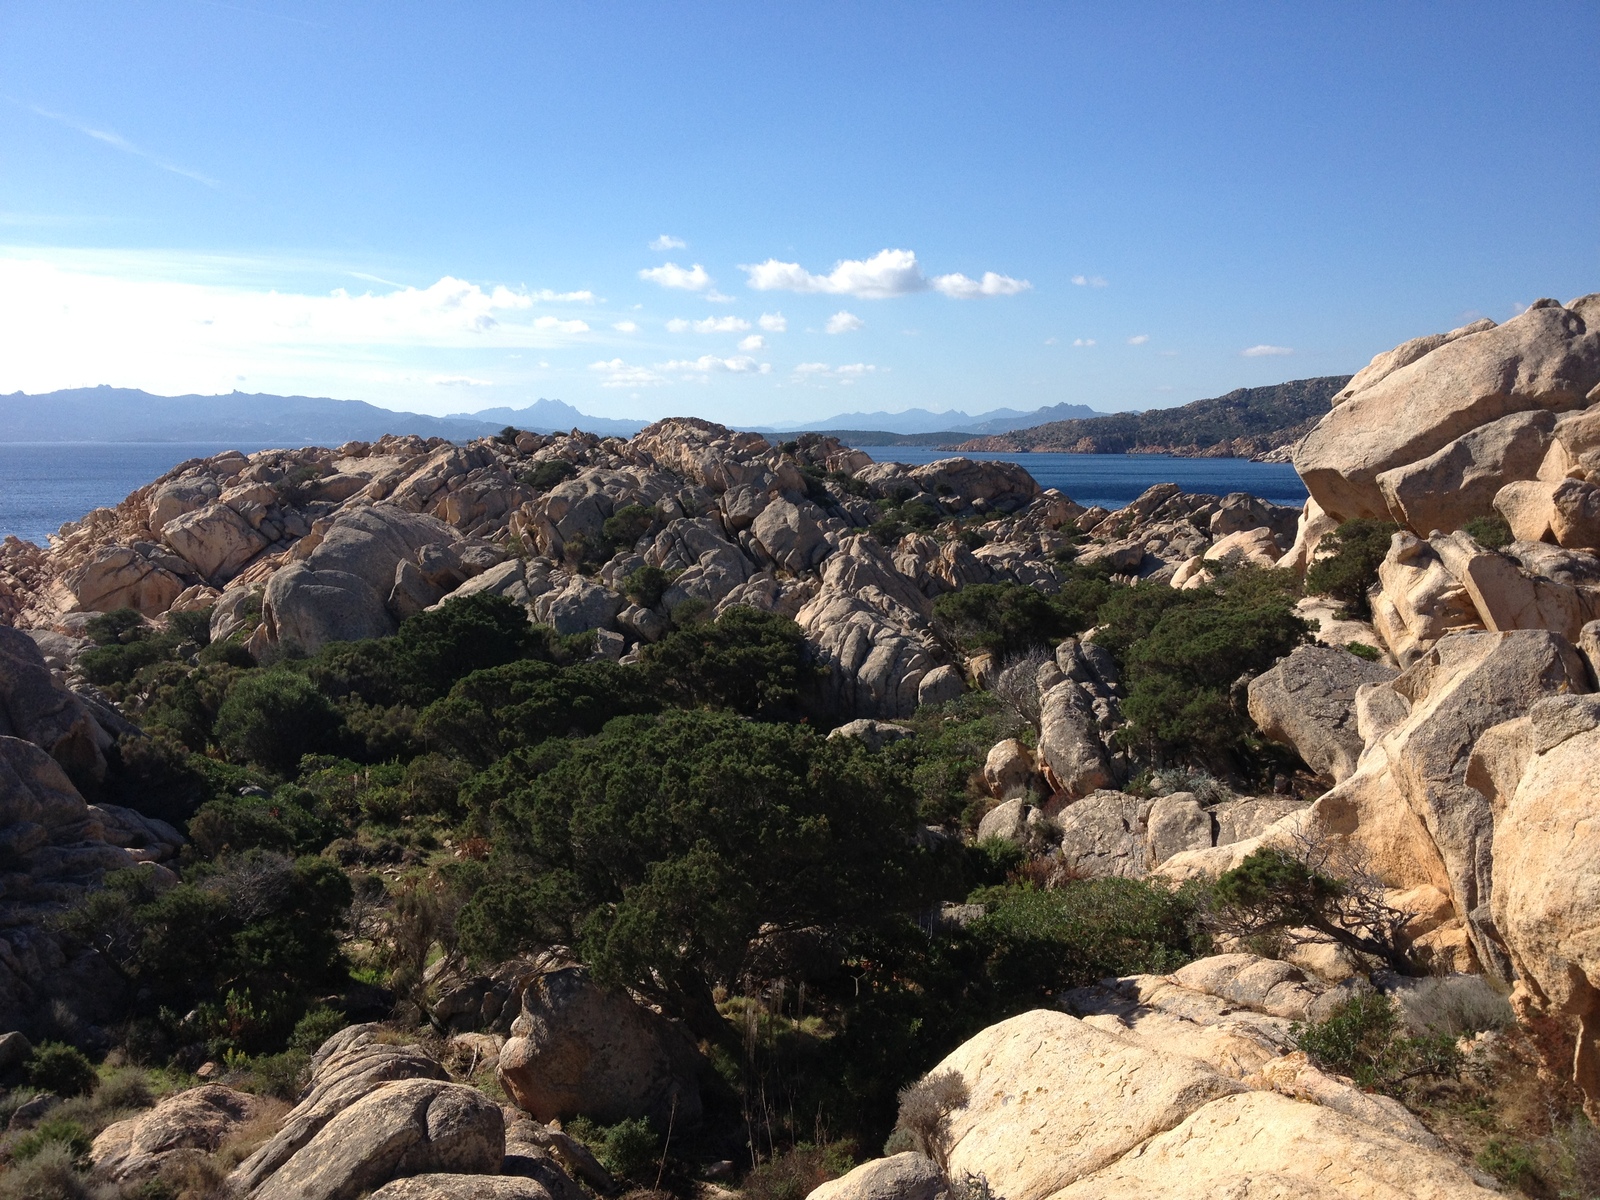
<point x="190" y="1122"/>
<point x="1307" y="702"/>
<point x="463" y="1187"/>
<point x="578" y="1049"/>
<point x="1008" y="770"/>
<point x="908" y="1176"/>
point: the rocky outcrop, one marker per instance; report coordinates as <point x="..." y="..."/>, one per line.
<point x="1545" y="360"/>
<point x="908" y="1176"/>
<point x="37" y="706"/>
<point x="1307" y="702"/>
<point x="186" y="1124"/>
<point x="579" y="1049"/>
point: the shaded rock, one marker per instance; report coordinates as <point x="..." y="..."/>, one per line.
<point x="874" y="735"/>
<point x="1458" y="482"/>
<point x="1103" y="834"/>
<point x="940" y="686"/>
<point x="1251" y="816"/>
<point x="578" y="1049"/>
<point x="1176" y="823"/>
<point x="37" y="707"/>
<point x="791" y="535"/>
<point x="1008" y="769"/>
<point x="1307" y="702"/>
<point x="215" y="540"/>
<point x="908" y="1176"/>
<point x="463" y="1187"/>
<point x="1070" y="749"/>
<point x="1009" y="821"/>
<point x="579" y="606"/>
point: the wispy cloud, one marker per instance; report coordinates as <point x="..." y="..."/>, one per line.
<point x="887" y="273"/>
<point x="754" y="342"/>
<point x="460" y="381"/>
<point x="671" y="275"/>
<point x="547" y="296"/>
<point x="1089" y="280"/>
<point x="773" y="322"/>
<point x="708" y="364"/>
<point x="626" y="326"/>
<point x="557" y="325"/>
<point x="1265" y="351"/>
<point x="1083" y="341"/>
<point x="117" y="142"/>
<point x="708" y="325"/>
<point x="1138" y="339"/>
<point x="667" y="242"/>
<point x="844" y="322"/>
<point x="618" y="374"/>
<point x="844" y="375"/>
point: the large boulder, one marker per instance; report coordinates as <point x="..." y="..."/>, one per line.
<point x="1548" y="358"/>
<point x="1458" y="482"/>
<point x="908" y="1176"/>
<point x="578" y="1049"/>
<point x="1104" y="834"/>
<point x="1070" y="749"/>
<point x="341" y="590"/>
<point x="445" y="1186"/>
<point x="1307" y="702"/>
<point x="116" y="577"/>
<point x="408" y="1127"/>
<point x="36" y="705"/>
<point x="1547" y="881"/>
<point x="791" y="535"/>
<point x="193" y="1122"/>
<point x="216" y="541"/>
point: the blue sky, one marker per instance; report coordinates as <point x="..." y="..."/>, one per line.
<point x="452" y="207"/>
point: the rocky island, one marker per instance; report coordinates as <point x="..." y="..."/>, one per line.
<point x="698" y="814"/>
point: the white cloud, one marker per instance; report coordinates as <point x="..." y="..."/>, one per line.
<point x="546" y="296"/>
<point x="959" y="287"/>
<point x="773" y="322"/>
<point x="754" y="342"/>
<point x="709" y="363"/>
<point x="887" y="273"/>
<point x="557" y="325"/>
<point x="460" y="381"/>
<point x="844" y="322"/>
<point x="667" y="242"/>
<point x="1089" y="280"/>
<point x="1265" y="351"/>
<point x="1050" y="341"/>
<point x="845" y="375"/>
<point x="626" y="326"/>
<point x="1138" y="339"/>
<point x="709" y="325"/>
<point x="619" y="374"/>
<point x="1083" y="341"/>
<point x="671" y="275"/>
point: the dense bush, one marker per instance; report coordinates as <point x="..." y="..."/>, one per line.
<point x="662" y="847"/>
<point x="549" y="473"/>
<point x="1005" y="618"/>
<point x="1350" y="571"/>
<point x="273" y="718"/>
<point x="1364" y="1039"/>
<point x="754" y="663"/>
<point x="62" y="1069"/>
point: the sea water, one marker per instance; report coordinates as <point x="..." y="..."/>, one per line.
<point x="44" y="484"/>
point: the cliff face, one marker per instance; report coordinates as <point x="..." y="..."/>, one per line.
<point x="1246" y="423"/>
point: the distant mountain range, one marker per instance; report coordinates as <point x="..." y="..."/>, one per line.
<point x="1245" y="423"/>
<point x="108" y="414"/>
<point x="923" y="421"/>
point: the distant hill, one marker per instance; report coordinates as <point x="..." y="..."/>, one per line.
<point x="923" y="421"/>
<point x="1246" y="423"/>
<point x="108" y="414"/>
<point x="884" y="437"/>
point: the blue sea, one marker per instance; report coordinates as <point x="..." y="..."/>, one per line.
<point x="1111" y="480"/>
<point x="45" y="484"/>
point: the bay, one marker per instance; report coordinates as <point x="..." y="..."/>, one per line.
<point x="1112" y="480"/>
<point x="45" y="484"/>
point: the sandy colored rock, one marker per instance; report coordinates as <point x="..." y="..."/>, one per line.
<point x="1314" y="525"/>
<point x="940" y="686"/>
<point x="1307" y="702"/>
<point x="1264" y="984"/>
<point x="215" y="540"/>
<point x="1575" y="513"/>
<point x="1403" y="355"/>
<point x="1069" y="745"/>
<point x="1008" y="769"/>
<point x="118" y="577"/>
<point x="1009" y="821"/>
<point x="462" y="1187"/>
<point x="1547" y="893"/>
<point x="1419" y="600"/>
<point x="1459" y="481"/>
<point x="1104" y="834"/>
<point x="1264" y="1146"/>
<point x="1258" y="547"/>
<point x="1546" y="358"/>
<point x="1053" y="1100"/>
<point x="908" y="1176"/>
<point x="1176" y="823"/>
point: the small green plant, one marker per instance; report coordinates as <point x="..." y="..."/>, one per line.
<point x="795" y="1174"/>
<point x="1351" y="570"/>
<point x="1365" y="1039"/>
<point x="1490" y="532"/>
<point x="62" y="1069"/>
<point x="316" y="1027"/>
<point x="1511" y="1164"/>
<point x="925" y="1108"/>
<point x="49" y="1174"/>
<point x="549" y="473"/>
<point x="53" y="1130"/>
<point x="647" y="586"/>
<point x="629" y="1148"/>
<point x="1362" y="650"/>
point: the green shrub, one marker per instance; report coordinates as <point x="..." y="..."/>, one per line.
<point x="1362" y="650"/>
<point x="1351" y="570"/>
<point x="755" y="663"/>
<point x="794" y="1174"/>
<point x="1491" y="532"/>
<point x="661" y="847"/>
<point x="274" y="718"/>
<point x="627" y="525"/>
<point x="549" y="473"/>
<point x="629" y="1149"/>
<point x="62" y="1069"/>
<point x="1004" y="618"/>
<point x="50" y="1174"/>
<point x="316" y="1027"/>
<point x="1363" y="1038"/>
<point x="290" y="821"/>
<point x="647" y="586"/>
<point x="53" y="1130"/>
<point x="128" y="1087"/>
